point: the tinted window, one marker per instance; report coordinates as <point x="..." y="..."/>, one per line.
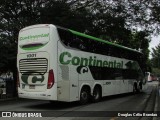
<point x="88" y="45"/>
<point x="104" y="73"/>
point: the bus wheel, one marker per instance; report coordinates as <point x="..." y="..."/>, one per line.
<point x="96" y="94"/>
<point x="140" y="87"/>
<point x="84" y="95"/>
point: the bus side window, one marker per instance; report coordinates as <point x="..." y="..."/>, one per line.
<point x="65" y="36"/>
<point x="75" y="42"/>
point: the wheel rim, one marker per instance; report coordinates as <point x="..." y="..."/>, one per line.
<point x="96" y="95"/>
<point x="84" y="95"/>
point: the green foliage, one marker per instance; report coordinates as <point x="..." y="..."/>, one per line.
<point x="155" y="61"/>
<point x="156" y="71"/>
<point x="110" y="20"/>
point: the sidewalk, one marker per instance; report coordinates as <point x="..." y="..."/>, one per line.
<point x="5" y="97"/>
<point x="157" y="107"/>
<point x="157" y="102"/>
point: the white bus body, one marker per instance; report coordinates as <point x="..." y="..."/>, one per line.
<point x="48" y="70"/>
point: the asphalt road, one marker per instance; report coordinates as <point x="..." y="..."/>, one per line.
<point x="110" y="108"/>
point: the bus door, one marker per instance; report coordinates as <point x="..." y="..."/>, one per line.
<point x="108" y="87"/>
<point x="123" y="83"/>
<point x="124" y="86"/>
<point x="74" y="84"/>
<point x="119" y="86"/>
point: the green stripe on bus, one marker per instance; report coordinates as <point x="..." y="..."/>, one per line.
<point x="101" y="40"/>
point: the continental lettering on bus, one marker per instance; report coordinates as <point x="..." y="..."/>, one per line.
<point x="67" y="58"/>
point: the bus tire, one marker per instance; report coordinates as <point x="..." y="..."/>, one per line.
<point x="84" y="95"/>
<point x="96" y="97"/>
<point x="140" y="87"/>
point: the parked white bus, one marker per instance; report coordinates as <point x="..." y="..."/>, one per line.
<point x="59" y="64"/>
<point x="148" y="76"/>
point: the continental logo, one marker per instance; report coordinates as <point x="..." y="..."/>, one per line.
<point x="67" y="58"/>
<point x="35" y="79"/>
<point x="34" y="36"/>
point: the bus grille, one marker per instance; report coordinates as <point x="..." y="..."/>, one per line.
<point x="34" y="66"/>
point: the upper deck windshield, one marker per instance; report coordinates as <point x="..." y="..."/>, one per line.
<point x="34" y="37"/>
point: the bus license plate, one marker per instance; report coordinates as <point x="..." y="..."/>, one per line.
<point x="31" y="86"/>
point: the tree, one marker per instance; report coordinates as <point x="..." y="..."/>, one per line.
<point x="14" y="15"/>
<point x="114" y="21"/>
<point x="156" y="57"/>
<point x="155" y="15"/>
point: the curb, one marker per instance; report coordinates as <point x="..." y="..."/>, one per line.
<point x="8" y="99"/>
<point x="156" y="103"/>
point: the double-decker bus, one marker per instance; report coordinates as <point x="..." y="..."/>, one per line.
<point x="59" y="64"/>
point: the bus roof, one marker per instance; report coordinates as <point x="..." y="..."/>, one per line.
<point x="103" y="41"/>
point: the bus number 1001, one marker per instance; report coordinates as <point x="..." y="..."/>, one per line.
<point x="31" y="55"/>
